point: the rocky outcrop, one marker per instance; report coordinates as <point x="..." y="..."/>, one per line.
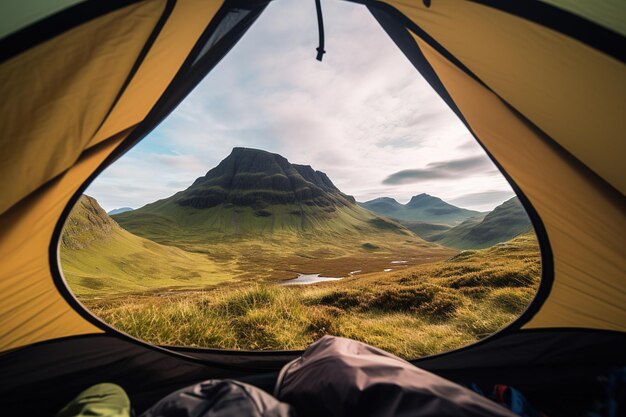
<point x="256" y="178"/>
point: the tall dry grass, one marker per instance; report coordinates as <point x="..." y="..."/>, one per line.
<point x="418" y="311"/>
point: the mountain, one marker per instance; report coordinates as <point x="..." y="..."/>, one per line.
<point x="99" y="257"/>
<point x="504" y="223"/>
<point x="257" y="193"/>
<point x="87" y="225"/>
<point x="255" y="178"/>
<point x="119" y="210"/>
<point x="423" y="208"/>
<point x="383" y="205"/>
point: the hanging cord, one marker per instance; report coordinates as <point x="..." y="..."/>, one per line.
<point x="320" y="28"/>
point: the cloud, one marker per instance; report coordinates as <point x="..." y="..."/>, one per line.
<point x="179" y="162"/>
<point x="470" y="145"/>
<point x="483" y="200"/>
<point x="442" y="170"/>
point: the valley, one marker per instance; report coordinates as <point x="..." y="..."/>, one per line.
<point x="412" y="311"/>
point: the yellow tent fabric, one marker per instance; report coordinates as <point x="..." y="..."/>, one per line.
<point x="31" y="307"/>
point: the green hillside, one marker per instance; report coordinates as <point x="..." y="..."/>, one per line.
<point x="412" y="311"/>
<point x="423" y="208"/>
<point x="99" y="258"/>
<point x="505" y="222"/>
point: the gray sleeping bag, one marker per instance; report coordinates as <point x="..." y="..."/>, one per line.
<point x="338" y="377"/>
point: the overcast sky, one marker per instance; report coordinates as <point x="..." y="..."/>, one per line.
<point x="364" y="116"/>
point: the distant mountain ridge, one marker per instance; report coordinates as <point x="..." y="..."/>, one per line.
<point x="119" y="210"/>
<point x="422" y="208"/>
<point x="255" y="194"/>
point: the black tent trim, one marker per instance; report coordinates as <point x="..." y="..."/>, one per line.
<point x="193" y="72"/>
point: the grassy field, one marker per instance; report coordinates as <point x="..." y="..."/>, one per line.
<point x="423" y="307"/>
<point x="101" y="259"/>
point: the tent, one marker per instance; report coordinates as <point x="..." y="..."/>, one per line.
<point x="540" y="84"/>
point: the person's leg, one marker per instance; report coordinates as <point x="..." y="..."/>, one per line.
<point x="101" y="400"/>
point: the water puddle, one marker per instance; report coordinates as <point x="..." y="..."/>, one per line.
<point x="306" y="279"/>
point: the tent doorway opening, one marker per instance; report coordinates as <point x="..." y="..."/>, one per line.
<point x="286" y="199"/>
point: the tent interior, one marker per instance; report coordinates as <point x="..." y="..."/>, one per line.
<point x="541" y="85"/>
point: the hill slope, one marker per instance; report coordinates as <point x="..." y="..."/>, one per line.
<point x="423" y="207"/>
<point x="505" y="222"/>
<point x="99" y="257"/>
<point x="411" y="312"/>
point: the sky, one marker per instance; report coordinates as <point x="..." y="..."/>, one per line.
<point x="364" y="116"/>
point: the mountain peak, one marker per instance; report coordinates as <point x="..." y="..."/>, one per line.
<point x="425" y="199"/>
<point x="254" y="177"/>
<point x="241" y="150"/>
<point x="381" y="204"/>
<point x="86" y="224"/>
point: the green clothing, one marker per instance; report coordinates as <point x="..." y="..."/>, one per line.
<point x="101" y="400"/>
